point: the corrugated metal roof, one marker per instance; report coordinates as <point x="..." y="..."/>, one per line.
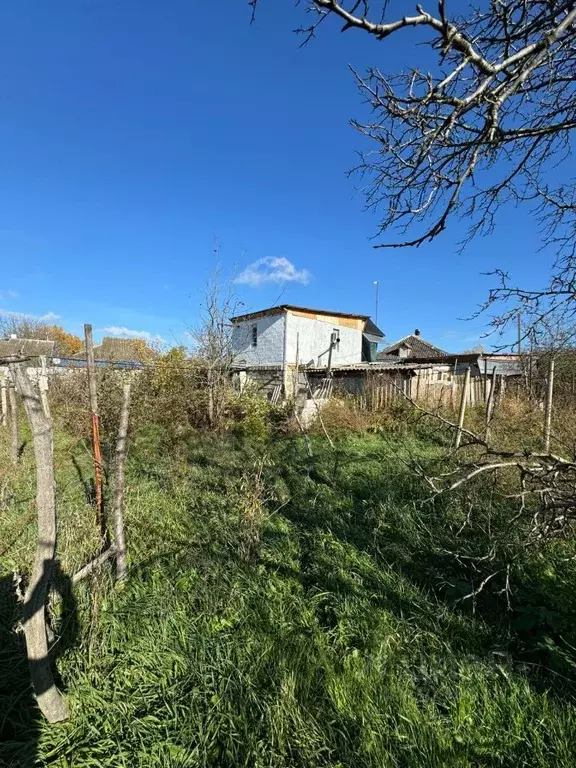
<point x="376" y="367"/>
<point x="25" y="348"/>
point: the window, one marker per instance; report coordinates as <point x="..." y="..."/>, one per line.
<point x="254" y="341"/>
<point x="439" y="376"/>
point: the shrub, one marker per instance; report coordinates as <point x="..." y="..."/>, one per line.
<point x="248" y="415"/>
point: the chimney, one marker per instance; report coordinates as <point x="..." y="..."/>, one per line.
<point x="417" y="332"/>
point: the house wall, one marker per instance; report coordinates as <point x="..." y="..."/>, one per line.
<point x="262" y="380"/>
<point x="312" y="337"/>
<point x="310" y="334"/>
<point x="270" y="346"/>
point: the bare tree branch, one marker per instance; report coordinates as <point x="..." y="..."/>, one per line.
<point x="486" y="125"/>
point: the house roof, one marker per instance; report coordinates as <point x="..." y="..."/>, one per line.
<point x="123" y="350"/>
<point x="374" y="367"/>
<point x="25" y="348"/>
<point x="284" y="307"/>
<point x="372" y="329"/>
<point x="417" y="345"/>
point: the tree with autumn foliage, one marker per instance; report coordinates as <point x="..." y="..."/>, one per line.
<point x="66" y="344"/>
<point x="27" y="327"/>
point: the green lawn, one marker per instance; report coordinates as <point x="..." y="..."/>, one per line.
<point x="309" y="618"/>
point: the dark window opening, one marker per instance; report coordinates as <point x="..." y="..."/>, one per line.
<point x="254" y="342"/>
<point x="369" y="350"/>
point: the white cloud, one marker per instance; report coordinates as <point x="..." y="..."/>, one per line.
<point x="49" y="317"/>
<point x="120" y="332"/>
<point x="272" y="269"/>
<point x="9" y="294"/>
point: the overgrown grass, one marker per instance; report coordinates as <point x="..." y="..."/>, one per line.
<point x="339" y="637"/>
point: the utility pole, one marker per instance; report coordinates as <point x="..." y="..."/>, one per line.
<point x="519" y="320"/>
<point x="95" y="426"/>
<point x="376" y="312"/>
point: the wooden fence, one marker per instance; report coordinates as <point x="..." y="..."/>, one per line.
<point x="430" y="388"/>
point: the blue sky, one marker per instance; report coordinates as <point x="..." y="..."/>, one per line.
<point x="135" y="135"/>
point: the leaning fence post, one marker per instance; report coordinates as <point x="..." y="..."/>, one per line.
<point x="95" y="426"/>
<point x="548" y="412"/>
<point x="14" y="428"/>
<point x="50" y="700"/>
<point x="119" y="541"/>
<point x="461" y="414"/>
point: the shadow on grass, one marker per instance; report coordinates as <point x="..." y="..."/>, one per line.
<point x="20" y="718"/>
<point x="87" y="483"/>
<point x="375" y="517"/>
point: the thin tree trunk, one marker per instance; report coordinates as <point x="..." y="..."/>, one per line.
<point x="548" y="413"/>
<point x="119" y="542"/>
<point x="14" y="429"/>
<point x="51" y="702"/>
<point x="210" y="393"/>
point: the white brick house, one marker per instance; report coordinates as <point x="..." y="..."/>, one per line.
<point x="287" y="335"/>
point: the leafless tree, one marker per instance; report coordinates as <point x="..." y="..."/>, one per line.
<point x="20" y="325"/>
<point x="213" y="343"/>
<point x="489" y="124"/>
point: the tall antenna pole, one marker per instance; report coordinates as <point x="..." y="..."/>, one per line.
<point x="376" y="312"/>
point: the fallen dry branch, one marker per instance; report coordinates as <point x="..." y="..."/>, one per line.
<point x="546" y="481"/>
<point x="93" y="565"/>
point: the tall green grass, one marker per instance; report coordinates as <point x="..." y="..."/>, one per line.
<point x="341" y="640"/>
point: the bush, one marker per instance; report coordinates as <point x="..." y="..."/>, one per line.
<point x="249" y="415"/>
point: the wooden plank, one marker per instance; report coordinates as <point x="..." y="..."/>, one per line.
<point x="346" y="322"/>
<point x="462" y="412"/>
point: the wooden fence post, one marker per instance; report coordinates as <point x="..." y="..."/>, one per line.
<point x="454" y="381"/>
<point x="462" y="413"/>
<point x="490" y="402"/>
<point x="14" y="428"/>
<point x="95" y="425"/>
<point x="3" y="402"/>
<point x="548" y="412"/>
<point x="119" y="541"/>
<point x="50" y="700"/>
<point x="43" y="386"/>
